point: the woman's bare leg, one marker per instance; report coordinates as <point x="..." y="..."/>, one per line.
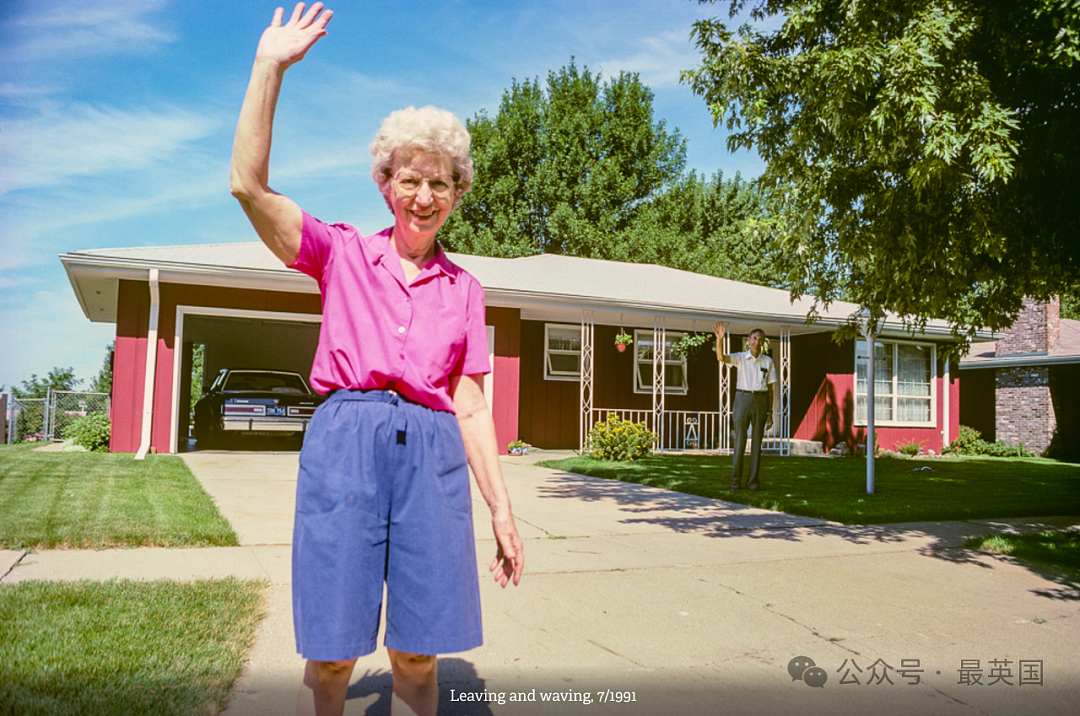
<point x="324" y="689"/>
<point x="416" y="684"/>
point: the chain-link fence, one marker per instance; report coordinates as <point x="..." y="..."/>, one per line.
<point x="68" y="406"/>
<point x="26" y="419"/>
<point x="44" y="419"/>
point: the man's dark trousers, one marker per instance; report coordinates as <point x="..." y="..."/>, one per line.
<point x="751" y="409"/>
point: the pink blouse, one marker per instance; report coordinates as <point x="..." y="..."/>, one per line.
<point x="379" y="331"/>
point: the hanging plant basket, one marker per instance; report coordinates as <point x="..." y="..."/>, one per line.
<point x="622" y="340"/>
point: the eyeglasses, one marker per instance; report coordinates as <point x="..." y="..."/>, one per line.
<point x="408" y="184"/>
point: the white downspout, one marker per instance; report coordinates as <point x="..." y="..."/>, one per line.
<point x="151" y="364"/>
<point x="945" y="437"/>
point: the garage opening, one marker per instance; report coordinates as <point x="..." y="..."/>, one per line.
<point x="215" y="339"/>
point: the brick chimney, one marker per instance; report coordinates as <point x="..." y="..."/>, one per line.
<point x="1025" y="411"/>
<point x="1037" y="329"/>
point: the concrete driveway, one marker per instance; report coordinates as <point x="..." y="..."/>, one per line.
<point x="681" y="604"/>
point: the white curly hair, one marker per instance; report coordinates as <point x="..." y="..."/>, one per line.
<point x="428" y="129"/>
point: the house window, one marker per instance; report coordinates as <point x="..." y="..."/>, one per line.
<point x="674" y="366"/>
<point x="562" y="352"/>
<point x="903" y="383"/>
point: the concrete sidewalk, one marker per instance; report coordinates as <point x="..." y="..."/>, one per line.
<point x="685" y="605"/>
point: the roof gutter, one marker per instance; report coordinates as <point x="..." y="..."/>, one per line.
<point x="1020" y="362"/>
<point x="151" y="364"/>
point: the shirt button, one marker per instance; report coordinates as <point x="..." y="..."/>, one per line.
<point x="401" y="329"/>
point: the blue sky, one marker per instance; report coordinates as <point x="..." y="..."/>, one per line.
<point x="117" y="116"/>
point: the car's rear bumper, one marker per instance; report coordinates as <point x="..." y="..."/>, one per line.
<point x="260" y="425"/>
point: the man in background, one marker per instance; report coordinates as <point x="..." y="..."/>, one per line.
<point x="753" y="401"/>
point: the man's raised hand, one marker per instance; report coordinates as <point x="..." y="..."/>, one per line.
<point x="287" y="44"/>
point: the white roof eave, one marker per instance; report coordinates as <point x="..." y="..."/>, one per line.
<point x="85" y="267"/>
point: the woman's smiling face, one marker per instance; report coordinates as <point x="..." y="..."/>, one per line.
<point x="418" y="216"/>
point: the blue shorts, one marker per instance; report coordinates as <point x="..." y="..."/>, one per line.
<point x="383" y="495"/>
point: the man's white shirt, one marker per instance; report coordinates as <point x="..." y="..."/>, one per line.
<point x="755" y="374"/>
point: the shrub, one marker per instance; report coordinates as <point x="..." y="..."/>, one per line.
<point x="617" y="439"/>
<point x="969" y="442"/>
<point x="910" y="448"/>
<point x="90" y="432"/>
<point x="1003" y="449"/>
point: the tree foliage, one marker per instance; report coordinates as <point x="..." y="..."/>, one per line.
<point x="57" y="379"/>
<point x="713" y="226"/>
<point x="580" y="167"/>
<point x="927" y="147"/>
<point x="103" y="381"/>
<point x="563" y="167"/>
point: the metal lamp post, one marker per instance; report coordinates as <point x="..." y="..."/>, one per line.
<point x="868" y="325"/>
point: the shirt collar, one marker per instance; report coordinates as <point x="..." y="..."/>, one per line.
<point x="439" y="265"/>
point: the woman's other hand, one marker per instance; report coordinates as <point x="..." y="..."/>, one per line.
<point x="287" y="44"/>
<point x="509" y="562"/>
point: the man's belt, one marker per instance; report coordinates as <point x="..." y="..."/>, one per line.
<point x="752" y="392"/>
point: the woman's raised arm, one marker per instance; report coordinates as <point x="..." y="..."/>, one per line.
<point x="276" y="218"/>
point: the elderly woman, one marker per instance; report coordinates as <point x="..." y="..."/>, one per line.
<point x="383" y="490"/>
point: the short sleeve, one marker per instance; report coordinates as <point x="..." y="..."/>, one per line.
<point x="772" y="373"/>
<point x="475" y="359"/>
<point x="316" y="247"/>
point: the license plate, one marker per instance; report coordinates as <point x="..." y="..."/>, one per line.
<point x="275" y="411"/>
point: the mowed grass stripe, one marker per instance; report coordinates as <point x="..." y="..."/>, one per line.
<point x="93" y="500"/>
<point x="124" y="647"/>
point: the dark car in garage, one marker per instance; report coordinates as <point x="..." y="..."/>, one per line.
<point x="254" y="403"/>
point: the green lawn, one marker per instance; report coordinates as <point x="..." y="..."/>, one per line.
<point x="122" y="647"/>
<point x="1059" y="548"/>
<point x="834" y="488"/>
<point x="98" y="500"/>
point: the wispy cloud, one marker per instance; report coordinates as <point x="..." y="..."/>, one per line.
<point x="12" y="91"/>
<point x="67" y="141"/>
<point x="658" y="59"/>
<point x="17" y="281"/>
<point x="80" y="28"/>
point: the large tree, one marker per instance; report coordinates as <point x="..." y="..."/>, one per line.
<point x="929" y="148"/>
<point x="581" y="167"/>
<point x="716" y="226"/>
<point x="562" y="168"/>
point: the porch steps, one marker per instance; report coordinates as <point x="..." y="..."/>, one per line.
<point x="807" y="447"/>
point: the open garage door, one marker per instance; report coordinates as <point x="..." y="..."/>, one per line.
<point x="234" y="339"/>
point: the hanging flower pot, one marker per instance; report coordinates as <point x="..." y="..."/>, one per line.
<point x="622" y="340"/>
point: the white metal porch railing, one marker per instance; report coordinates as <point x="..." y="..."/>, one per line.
<point x="688" y="429"/>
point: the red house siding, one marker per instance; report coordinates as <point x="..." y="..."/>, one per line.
<point x="977" y="408"/>
<point x="823" y="398"/>
<point x="549" y="415"/>
<point x="133" y="310"/>
<point x="505" y="385"/>
<point x="129" y="365"/>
